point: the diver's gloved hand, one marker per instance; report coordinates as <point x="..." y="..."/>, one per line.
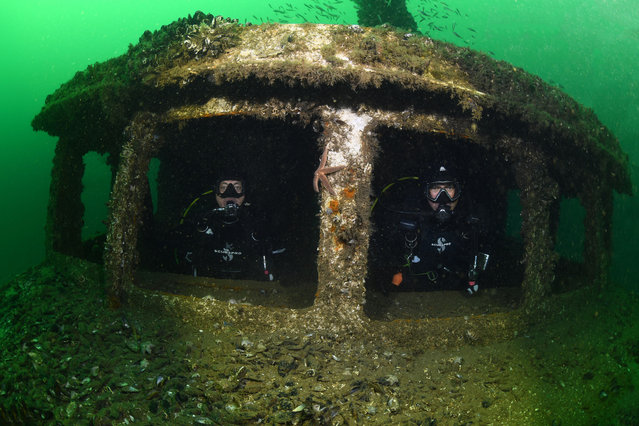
<point x="473" y="286"/>
<point x="398" y="278"/>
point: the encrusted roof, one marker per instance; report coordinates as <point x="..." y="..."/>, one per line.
<point x="196" y="58"/>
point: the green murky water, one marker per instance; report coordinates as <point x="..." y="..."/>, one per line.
<point x="589" y="49"/>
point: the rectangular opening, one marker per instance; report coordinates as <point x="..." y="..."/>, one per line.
<point x="194" y="245"/>
<point x="569" y="245"/>
<point x="435" y="257"/>
<point x="96" y="188"/>
<point x="570" y="230"/>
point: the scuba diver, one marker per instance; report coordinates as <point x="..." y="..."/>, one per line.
<point x="224" y="238"/>
<point x="437" y="235"/>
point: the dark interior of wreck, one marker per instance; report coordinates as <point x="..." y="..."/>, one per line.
<point x="278" y="158"/>
<point x="486" y="184"/>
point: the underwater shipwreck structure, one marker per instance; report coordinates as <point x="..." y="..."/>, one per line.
<point x="205" y="89"/>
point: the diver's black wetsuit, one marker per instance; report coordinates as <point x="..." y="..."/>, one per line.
<point x="432" y="255"/>
<point x="225" y="243"/>
<point x="439" y="255"/>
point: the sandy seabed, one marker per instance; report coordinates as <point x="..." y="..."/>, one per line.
<point x="68" y="359"/>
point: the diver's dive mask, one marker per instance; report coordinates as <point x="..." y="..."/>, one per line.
<point x="443" y="192"/>
<point x="230" y="189"/>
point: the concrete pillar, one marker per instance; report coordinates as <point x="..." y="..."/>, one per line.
<point x="538" y="192"/>
<point x="598" y="229"/>
<point x="65" y="211"/>
<point x="127" y="204"/>
<point x="344" y="224"/>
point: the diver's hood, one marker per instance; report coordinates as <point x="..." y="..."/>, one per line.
<point x="438" y="178"/>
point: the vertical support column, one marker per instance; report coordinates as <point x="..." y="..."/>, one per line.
<point x="344" y="224"/>
<point x="127" y="203"/>
<point x="598" y="227"/>
<point x="65" y="211"/>
<point x="539" y="256"/>
<point x="539" y="194"/>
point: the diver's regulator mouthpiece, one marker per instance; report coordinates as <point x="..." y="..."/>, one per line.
<point x="443" y="213"/>
<point x="230" y="209"/>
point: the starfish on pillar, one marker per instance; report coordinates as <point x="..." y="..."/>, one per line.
<point x="322" y="171"/>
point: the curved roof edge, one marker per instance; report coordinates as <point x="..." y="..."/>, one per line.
<point x="214" y="52"/>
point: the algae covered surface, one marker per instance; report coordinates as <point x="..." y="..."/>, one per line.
<point x="68" y="359"/>
<point x="207" y="51"/>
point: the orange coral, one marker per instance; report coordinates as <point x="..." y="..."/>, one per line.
<point x="349" y="192"/>
<point x="334" y="206"/>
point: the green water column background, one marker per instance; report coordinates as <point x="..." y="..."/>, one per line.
<point x="589" y="49"/>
